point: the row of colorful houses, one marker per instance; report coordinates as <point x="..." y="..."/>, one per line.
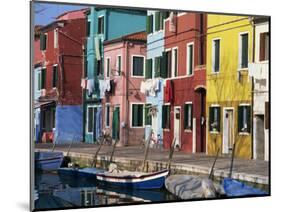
<point x="199" y="79"/>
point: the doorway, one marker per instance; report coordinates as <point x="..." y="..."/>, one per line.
<point x="177" y="118"/>
<point x="228" y="130"/>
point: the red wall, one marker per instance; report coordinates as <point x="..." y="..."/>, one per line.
<point x="187" y="30"/>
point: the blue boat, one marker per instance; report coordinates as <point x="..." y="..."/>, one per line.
<point x="133" y="180"/>
<point x="48" y="161"/>
<point x="76" y="172"/>
<point x="234" y="188"/>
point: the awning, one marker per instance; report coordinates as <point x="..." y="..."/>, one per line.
<point x="39" y="104"/>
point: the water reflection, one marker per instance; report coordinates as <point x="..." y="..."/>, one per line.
<point x="58" y="191"/>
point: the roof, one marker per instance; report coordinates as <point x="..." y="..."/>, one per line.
<point x="72" y="11"/>
<point x="134" y="37"/>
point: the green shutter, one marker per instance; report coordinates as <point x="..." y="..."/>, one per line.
<point x="135" y="115"/>
<point x="43" y="78"/>
<point x="248" y="119"/>
<point x="163" y="70"/>
<point x="140" y="115"/>
<point x="157" y="21"/>
<point x="240" y="118"/>
<point x="43" y="39"/>
<point x="161" y="19"/>
<point x="157" y="66"/>
<point x="149" y="24"/>
<point x="148" y="69"/>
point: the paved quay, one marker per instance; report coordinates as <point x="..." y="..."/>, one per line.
<point x="254" y="171"/>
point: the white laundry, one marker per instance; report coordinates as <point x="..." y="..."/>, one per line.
<point x="104" y="85"/>
<point x="90" y="86"/>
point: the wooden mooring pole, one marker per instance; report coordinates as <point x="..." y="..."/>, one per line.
<point x="171" y="153"/>
<point x="232" y="160"/>
<point x="146" y="150"/>
<point x="94" y="162"/>
<point x="112" y="153"/>
<point x="213" y="166"/>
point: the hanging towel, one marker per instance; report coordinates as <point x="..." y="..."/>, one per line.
<point x="90" y="86"/>
<point x="168" y="93"/>
<point x="104" y="85"/>
<point x="97" y="48"/>
<point x="98" y="129"/>
<point x="84" y="83"/>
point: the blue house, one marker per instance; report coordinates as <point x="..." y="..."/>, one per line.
<point x="103" y="24"/>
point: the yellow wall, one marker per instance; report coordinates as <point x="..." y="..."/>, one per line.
<point x="224" y="88"/>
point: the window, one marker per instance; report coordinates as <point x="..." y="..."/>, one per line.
<point x="149" y="24"/>
<point x="43" y="78"/>
<point x="107" y="115"/>
<point x="147" y="115"/>
<point x="214" y="116"/>
<point x="108" y="67"/>
<point x="88" y="29"/>
<point x="55" y="76"/>
<point x="166" y="116"/>
<point x="190" y="60"/>
<point x="264" y="46"/>
<point x="90" y="119"/>
<point x="244" y="51"/>
<point x="38" y="81"/>
<point x="169" y="63"/>
<point x="175" y="62"/>
<point x="158" y="21"/>
<point x="164" y="65"/>
<point x="244" y="114"/>
<point x="216" y="55"/>
<point x="101" y="25"/>
<point x="138" y="66"/>
<point x="148" y="69"/>
<point x="86" y="68"/>
<point x="188" y="116"/>
<point x="157" y="66"/>
<point x="43" y="41"/>
<point x="99" y="66"/>
<point x="137" y="115"/>
<point x="119" y="64"/>
<point x="55" y="38"/>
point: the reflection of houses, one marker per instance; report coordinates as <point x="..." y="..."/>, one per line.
<point x="123" y="104"/>
<point x="259" y="70"/>
<point x="154" y="65"/>
<point x="229" y="49"/>
<point x="185" y="79"/>
<point x="58" y="70"/>
<point x="103" y="24"/>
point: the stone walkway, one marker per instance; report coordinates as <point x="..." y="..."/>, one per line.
<point x="255" y="171"/>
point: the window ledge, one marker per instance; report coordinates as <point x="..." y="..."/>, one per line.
<point x="243" y="69"/>
<point x="188" y="130"/>
<point x="166" y="130"/>
<point x="137" y="127"/>
<point x="215" y="72"/>
<point x="243" y="133"/>
<point x="214" y="132"/>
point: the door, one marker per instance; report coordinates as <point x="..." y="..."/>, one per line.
<point x="259" y="135"/>
<point x="116" y="124"/>
<point x="228" y="131"/>
<point x="177" y="119"/>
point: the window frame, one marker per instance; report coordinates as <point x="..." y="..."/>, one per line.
<point x="107" y="115"/>
<point x="87" y="128"/>
<point x="248" y="129"/>
<point x="214" y="54"/>
<point x="168" y="117"/>
<point x="240" y="49"/>
<point x="186" y="124"/>
<point x="173" y="62"/>
<point x="98" y="31"/>
<point x="264" y="59"/>
<point x="45" y="40"/>
<point x="131" y="115"/>
<point x="188" y="57"/>
<point x="218" y="129"/>
<point x="119" y="65"/>
<point x="107" y="67"/>
<point x="132" y="66"/>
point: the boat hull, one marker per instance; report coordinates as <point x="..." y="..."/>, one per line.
<point x="48" y="161"/>
<point x="85" y="172"/>
<point x="148" y="181"/>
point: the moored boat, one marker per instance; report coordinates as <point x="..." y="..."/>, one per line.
<point x="48" y="161"/>
<point x="77" y="172"/>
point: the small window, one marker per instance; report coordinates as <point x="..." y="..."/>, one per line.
<point x="90" y="119"/>
<point x="169" y="63"/>
<point x="43" y="78"/>
<point x="149" y="24"/>
<point x="264" y="46"/>
<point x="244" y="115"/>
<point x="244" y="51"/>
<point x="108" y="67"/>
<point x="188" y="116"/>
<point x="88" y="29"/>
<point x="214" y="116"/>
<point x="101" y="25"/>
<point x="107" y="115"/>
<point x="175" y="62"/>
<point x="55" y="76"/>
<point x="166" y="116"/>
<point x="138" y="66"/>
<point x="147" y="115"/>
<point x="190" y="61"/>
<point x="148" y="69"/>
<point x="119" y="64"/>
<point x="43" y="41"/>
<point x="137" y="115"/>
<point x="55" y="38"/>
<point x="216" y="55"/>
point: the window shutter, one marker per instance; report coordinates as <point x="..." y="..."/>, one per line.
<point x="55" y="76"/>
<point x="244" y="51"/>
<point x="185" y="116"/>
<point x="248" y="119"/>
<point x="240" y="118"/>
<point x="148" y="69"/>
<point x="43" y="78"/>
<point x="149" y="24"/>
<point x="191" y="108"/>
<point x="211" y="118"/>
<point x="140" y="115"/>
<point x="135" y="115"/>
<point x="147" y="116"/>
<point x="219" y="117"/>
<point x="262" y="46"/>
<point x="161" y="20"/>
<point x="157" y="21"/>
<point x="164" y="116"/>
<point x="157" y="66"/>
<point x="43" y="38"/>
<point x="217" y="55"/>
<point x="163" y="70"/>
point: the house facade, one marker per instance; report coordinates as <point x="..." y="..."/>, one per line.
<point x="124" y="104"/>
<point x="102" y="24"/>
<point x="58" y="59"/>
<point x="259" y="71"/>
<point x="185" y="82"/>
<point x="229" y="96"/>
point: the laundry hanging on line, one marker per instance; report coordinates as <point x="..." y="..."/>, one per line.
<point x="168" y="91"/>
<point x="104" y="85"/>
<point x="150" y="87"/>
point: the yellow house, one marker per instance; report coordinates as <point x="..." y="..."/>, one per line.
<point x="229" y="50"/>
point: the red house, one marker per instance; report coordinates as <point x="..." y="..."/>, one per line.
<point x="58" y="62"/>
<point x="185" y="86"/>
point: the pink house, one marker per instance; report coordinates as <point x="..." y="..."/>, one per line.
<point x="124" y="105"/>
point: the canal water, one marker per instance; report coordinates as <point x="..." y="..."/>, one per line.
<point x="60" y="191"/>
